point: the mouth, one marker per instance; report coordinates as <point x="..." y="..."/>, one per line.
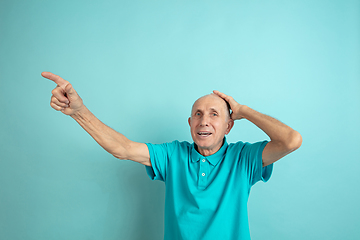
<point x="204" y="134"/>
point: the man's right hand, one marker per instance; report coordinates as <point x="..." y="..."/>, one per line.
<point x="64" y="98"/>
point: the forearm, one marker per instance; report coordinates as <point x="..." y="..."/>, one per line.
<point x="112" y="141"/>
<point x="276" y="130"/>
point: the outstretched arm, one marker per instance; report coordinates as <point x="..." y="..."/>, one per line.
<point x="66" y="100"/>
<point x="284" y="139"/>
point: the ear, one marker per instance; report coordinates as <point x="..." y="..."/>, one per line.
<point x="189" y="119"/>
<point x="229" y="127"/>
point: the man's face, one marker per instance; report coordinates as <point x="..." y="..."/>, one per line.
<point x="209" y="123"/>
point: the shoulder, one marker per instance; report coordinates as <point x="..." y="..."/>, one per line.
<point x="182" y="146"/>
<point x="177" y="144"/>
<point x="246" y="146"/>
<point x="171" y="146"/>
<point x="238" y="146"/>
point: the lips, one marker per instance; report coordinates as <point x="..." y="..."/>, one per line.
<point x="204" y="133"/>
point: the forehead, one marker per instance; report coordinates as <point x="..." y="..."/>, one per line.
<point x="209" y="102"/>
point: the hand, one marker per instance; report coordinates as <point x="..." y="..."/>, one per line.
<point x="64" y="98"/>
<point x="235" y="107"/>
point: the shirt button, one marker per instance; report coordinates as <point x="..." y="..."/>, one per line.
<point x="203" y="160"/>
<point x="203" y="174"/>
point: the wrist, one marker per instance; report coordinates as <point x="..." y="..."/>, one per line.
<point x="241" y="112"/>
<point x="80" y="112"/>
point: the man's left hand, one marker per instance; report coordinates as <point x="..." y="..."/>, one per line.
<point x="236" y="108"/>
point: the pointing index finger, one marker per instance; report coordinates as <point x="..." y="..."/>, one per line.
<point x="55" y="78"/>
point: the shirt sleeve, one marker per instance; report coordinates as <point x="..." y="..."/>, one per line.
<point x="159" y="157"/>
<point x="252" y="154"/>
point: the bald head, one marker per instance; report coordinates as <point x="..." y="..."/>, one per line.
<point x="212" y="98"/>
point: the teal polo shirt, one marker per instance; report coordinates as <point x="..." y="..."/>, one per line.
<point x="206" y="197"/>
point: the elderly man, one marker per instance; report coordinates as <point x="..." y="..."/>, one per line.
<point x="207" y="182"/>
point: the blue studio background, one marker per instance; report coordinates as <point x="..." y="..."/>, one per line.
<point x="139" y="66"/>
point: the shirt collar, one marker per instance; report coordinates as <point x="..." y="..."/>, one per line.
<point x="214" y="158"/>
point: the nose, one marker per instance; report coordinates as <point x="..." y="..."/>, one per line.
<point x="204" y="121"/>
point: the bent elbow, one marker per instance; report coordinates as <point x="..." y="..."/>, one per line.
<point x="295" y="141"/>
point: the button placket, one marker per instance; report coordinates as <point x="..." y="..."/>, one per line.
<point x="203" y="171"/>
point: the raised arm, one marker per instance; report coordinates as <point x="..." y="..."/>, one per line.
<point x="284" y="139"/>
<point x="66" y="100"/>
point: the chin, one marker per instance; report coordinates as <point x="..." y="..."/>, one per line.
<point x="203" y="144"/>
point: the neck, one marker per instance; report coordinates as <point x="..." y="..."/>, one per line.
<point x="207" y="151"/>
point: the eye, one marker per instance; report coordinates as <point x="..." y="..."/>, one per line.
<point x="197" y="114"/>
<point x="215" y="114"/>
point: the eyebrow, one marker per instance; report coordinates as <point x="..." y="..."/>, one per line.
<point x="212" y="109"/>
